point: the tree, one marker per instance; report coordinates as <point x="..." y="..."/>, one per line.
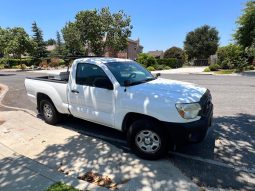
<point x="18" y="43"/>
<point x="51" y="41"/>
<point x="101" y="29"/>
<point x="174" y="52"/>
<point x="72" y="39"/>
<point x="202" y="42"/>
<point x="39" y="50"/>
<point x="245" y="33"/>
<point x="90" y="26"/>
<point x="59" y="39"/>
<point x="118" y="29"/>
<point x="59" y="43"/>
<point x="3" y="40"/>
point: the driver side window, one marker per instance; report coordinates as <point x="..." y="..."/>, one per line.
<point x="91" y="75"/>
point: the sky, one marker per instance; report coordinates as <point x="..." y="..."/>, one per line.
<point x="159" y="24"/>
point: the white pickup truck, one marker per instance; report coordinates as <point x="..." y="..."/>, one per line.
<point x="154" y="113"/>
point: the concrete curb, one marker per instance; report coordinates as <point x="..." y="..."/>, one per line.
<point x="2" y="94"/>
<point x="3" y="91"/>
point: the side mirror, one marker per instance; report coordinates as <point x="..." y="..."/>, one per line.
<point x="157" y="75"/>
<point x="103" y="83"/>
<point x="127" y="83"/>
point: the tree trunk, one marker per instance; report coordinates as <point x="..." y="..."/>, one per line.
<point x="20" y="63"/>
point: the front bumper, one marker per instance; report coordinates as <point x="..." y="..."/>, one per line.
<point x="196" y="131"/>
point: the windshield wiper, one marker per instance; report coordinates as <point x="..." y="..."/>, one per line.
<point x="140" y="82"/>
<point x="150" y="79"/>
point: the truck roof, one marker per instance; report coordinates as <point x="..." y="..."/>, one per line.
<point x="100" y="60"/>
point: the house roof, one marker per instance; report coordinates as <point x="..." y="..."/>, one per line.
<point x="51" y="47"/>
<point x="156" y="53"/>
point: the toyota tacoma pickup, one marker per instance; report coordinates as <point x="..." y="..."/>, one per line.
<point x="154" y="113"/>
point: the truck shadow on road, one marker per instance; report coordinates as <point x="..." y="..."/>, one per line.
<point x="230" y="141"/>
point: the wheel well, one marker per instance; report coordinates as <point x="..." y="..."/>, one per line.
<point x="40" y="97"/>
<point x="131" y="117"/>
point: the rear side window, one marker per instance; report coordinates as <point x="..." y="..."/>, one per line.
<point x="88" y="74"/>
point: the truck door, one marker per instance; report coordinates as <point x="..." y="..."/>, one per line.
<point x="91" y="95"/>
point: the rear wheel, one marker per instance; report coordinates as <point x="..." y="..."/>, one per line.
<point x="147" y="139"/>
<point x="49" y="112"/>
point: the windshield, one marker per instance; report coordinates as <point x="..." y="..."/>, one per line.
<point x="131" y="72"/>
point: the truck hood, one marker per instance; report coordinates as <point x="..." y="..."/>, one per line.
<point x="177" y="91"/>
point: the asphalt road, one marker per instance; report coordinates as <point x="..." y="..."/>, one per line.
<point x="226" y="159"/>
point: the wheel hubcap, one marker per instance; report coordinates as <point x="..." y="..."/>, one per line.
<point x="148" y="141"/>
<point x="47" y="111"/>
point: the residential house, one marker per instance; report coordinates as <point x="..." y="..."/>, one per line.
<point x="50" y="48"/>
<point x="156" y="53"/>
<point x="133" y="49"/>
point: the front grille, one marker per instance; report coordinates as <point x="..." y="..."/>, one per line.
<point x="205" y="103"/>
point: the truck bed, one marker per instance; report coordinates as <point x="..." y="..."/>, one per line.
<point x="54" y="88"/>
<point x="61" y="77"/>
<point x="49" y="79"/>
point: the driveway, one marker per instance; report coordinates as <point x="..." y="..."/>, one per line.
<point x="224" y="160"/>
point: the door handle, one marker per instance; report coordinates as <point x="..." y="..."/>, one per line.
<point x="75" y="91"/>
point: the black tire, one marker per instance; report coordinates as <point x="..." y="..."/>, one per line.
<point x="53" y="116"/>
<point x="140" y="127"/>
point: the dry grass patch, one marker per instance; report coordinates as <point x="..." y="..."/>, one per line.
<point x="99" y="180"/>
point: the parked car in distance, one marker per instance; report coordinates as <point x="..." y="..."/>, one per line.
<point x="154" y="113"/>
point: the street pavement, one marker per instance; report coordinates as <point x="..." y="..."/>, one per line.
<point x="224" y="160"/>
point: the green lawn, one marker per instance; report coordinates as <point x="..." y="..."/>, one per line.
<point x="224" y="72"/>
<point x="61" y="187"/>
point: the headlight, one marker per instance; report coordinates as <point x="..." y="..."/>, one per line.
<point x="188" y="110"/>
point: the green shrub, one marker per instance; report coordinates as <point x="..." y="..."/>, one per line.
<point x="232" y="57"/>
<point x="60" y="187"/>
<point x="151" y="68"/>
<point x="207" y="69"/>
<point x="251" y="67"/>
<point x="146" y="60"/>
<point x="1" y="66"/>
<point x="250" y="52"/>
<point x="171" y="62"/>
<point x="214" y="67"/>
<point x="167" y="67"/>
<point x="238" y="70"/>
<point x="159" y="67"/>
<point x="62" y="62"/>
<point x="22" y="66"/>
<point x="11" y="62"/>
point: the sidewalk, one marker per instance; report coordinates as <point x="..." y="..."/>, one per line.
<point x="22" y="174"/>
<point x="38" y="150"/>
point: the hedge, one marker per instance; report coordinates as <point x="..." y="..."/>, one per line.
<point x="170" y="62"/>
<point x="14" y="62"/>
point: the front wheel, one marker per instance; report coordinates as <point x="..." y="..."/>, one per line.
<point x="147" y="139"/>
<point x="49" y="112"/>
